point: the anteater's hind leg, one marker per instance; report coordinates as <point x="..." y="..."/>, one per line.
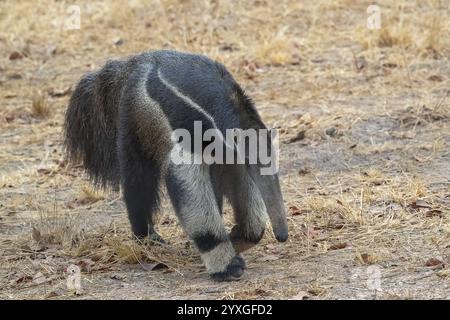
<point x="194" y="200"/>
<point x="248" y="206"/>
<point x="140" y="182"/>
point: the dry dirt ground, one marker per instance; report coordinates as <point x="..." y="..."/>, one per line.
<point x="364" y="117"/>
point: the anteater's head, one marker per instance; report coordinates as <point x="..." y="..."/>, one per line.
<point x="265" y="175"/>
<point x="265" y="171"/>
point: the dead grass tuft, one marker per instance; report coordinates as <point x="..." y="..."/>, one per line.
<point x="90" y="194"/>
<point x="389" y="38"/>
<point x="39" y="105"/>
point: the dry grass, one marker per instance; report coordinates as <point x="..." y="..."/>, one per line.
<point x="39" y="105"/>
<point x="365" y="131"/>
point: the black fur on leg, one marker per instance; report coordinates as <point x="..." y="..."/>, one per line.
<point x="140" y="181"/>
<point x="206" y="241"/>
<point x="234" y="270"/>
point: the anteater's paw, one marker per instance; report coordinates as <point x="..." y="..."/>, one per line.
<point x="233" y="272"/>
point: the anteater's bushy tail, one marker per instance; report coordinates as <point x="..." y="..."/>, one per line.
<point x="90" y="127"/>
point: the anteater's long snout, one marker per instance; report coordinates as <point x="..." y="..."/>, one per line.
<point x="279" y="224"/>
<point x="269" y="187"/>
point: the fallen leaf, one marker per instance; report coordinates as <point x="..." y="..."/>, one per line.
<point x="226" y="47"/>
<point x="86" y="265"/>
<point x="299" y="136"/>
<point x="9" y="119"/>
<point x="389" y="65"/>
<point x="436" y="78"/>
<point x="44" y="171"/>
<point x="72" y="204"/>
<point x="433" y="262"/>
<point x="338" y="246"/>
<point x="303" y="171"/>
<point x="418" y="204"/>
<point x="294" y="210"/>
<point x="15" y="55"/>
<point x="250" y="68"/>
<point x="260" y="292"/>
<point x="154" y="266"/>
<point x="366" y="258"/>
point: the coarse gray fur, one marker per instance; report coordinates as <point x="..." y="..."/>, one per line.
<point x="119" y="124"/>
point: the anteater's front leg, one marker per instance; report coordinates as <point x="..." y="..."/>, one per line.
<point x="248" y="206"/>
<point x="194" y="201"/>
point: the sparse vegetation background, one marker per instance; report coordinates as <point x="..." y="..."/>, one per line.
<point x="364" y="117"/>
